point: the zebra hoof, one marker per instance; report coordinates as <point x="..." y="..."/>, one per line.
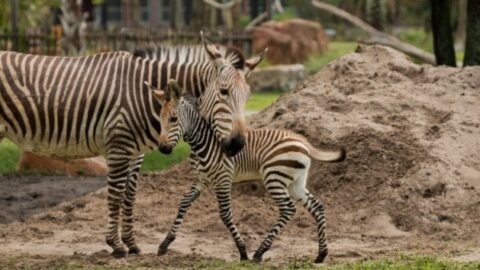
<point x="134" y="250"/>
<point x="162" y="251"/>
<point x="119" y="253"/>
<point x="243" y="257"/>
<point x="257" y="259"/>
<point x="321" y="257"/>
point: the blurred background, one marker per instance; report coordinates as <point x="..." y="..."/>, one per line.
<point x="302" y="36"/>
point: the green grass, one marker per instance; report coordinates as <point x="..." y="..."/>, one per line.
<point x="336" y="49"/>
<point x="155" y="161"/>
<point x="400" y="263"/>
<point x="261" y="100"/>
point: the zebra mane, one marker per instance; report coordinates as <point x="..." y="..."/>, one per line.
<point x="190" y="99"/>
<point x="189" y="54"/>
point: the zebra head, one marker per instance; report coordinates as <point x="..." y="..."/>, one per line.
<point x="169" y="122"/>
<point x="223" y="102"/>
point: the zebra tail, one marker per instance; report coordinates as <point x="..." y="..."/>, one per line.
<point x="328" y="156"/>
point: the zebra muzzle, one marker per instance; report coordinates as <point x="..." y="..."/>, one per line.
<point x="166" y="149"/>
<point x="233" y="145"/>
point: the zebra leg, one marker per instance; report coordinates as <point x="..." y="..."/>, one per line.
<point x="278" y="192"/>
<point x="187" y="200"/>
<point x="223" y="191"/>
<point x="128" y="204"/>
<point x="118" y="161"/>
<point x="314" y="206"/>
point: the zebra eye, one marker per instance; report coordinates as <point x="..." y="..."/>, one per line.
<point x="224" y="91"/>
<point x="173" y="119"/>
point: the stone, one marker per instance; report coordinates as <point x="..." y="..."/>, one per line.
<point x="278" y="77"/>
<point x="290" y="41"/>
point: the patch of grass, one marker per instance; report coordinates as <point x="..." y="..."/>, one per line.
<point x="336" y="49"/>
<point x="261" y="100"/>
<point x="9" y="155"/>
<point x="155" y="161"/>
<point x="400" y="263"/>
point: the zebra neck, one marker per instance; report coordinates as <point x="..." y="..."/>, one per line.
<point x="196" y="130"/>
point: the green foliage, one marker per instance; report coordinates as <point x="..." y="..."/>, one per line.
<point x="288" y="14"/>
<point x="336" y="49"/>
<point x="418" y="38"/>
<point x="31" y="13"/>
<point x="243" y="21"/>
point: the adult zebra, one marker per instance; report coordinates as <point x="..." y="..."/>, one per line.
<point x="280" y="158"/>
<point x="99" y="105"/>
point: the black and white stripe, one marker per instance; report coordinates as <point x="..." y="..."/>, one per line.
<point x="280" y="158"/>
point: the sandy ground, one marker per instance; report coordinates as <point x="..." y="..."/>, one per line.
<point x="410" y="184"/>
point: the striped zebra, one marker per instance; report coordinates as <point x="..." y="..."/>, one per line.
<point x="280" y="158"/>
<point x="76" y="107"/>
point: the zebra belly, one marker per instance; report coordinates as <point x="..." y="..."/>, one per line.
<point x="247" y="176"/>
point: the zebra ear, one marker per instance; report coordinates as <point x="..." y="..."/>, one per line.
<point x="212" y="51"/>
<point x="251" y="63"/>
<point x="157" y="94"/>
<point x="174" y="91"/>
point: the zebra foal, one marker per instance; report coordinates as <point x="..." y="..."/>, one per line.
<point x="280" y="158"/>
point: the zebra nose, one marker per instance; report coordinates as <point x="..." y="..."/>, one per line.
<point x="231" y="146"/>
<point x="166" y="149"/>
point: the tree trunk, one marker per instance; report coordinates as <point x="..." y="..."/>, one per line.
<point x="461" y="25"/>
<point x="442" y="32"/>
<point x="472" y="45"/>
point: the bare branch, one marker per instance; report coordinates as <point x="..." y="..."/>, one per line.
<point x="257" y="20"/>
<point x="224" y="6"/>
<point x="278" y="6"/>
<point x="376" y="37"/>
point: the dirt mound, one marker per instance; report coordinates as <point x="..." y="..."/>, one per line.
<point x="410" y="183"/>
<point x="412" y="136"/>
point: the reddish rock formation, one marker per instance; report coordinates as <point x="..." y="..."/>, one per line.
<point x="290" y="41"/>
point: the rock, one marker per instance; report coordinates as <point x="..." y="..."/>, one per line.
<point x="95" y="166"/>
<point x="290" y="41"/>
<point x="278" y="77"/>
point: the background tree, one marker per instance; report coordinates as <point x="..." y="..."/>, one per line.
<point x="442" y="33"/>
<point x="472" y="45"/>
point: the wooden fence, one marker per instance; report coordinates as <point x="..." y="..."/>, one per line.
<point x="51" y="44"/>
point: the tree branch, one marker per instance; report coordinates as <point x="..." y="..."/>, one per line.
<point x="257" y="20"/>
<point x="376" y="37"/>
<point x="224" y="6"/>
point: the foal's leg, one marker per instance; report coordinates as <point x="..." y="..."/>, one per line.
<point x="187" y="200"/>
<point x="223" y="191"/>
<point x="129" y="203"/>
<point x="277" y="188"/>
<point x="314" y="206"/>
